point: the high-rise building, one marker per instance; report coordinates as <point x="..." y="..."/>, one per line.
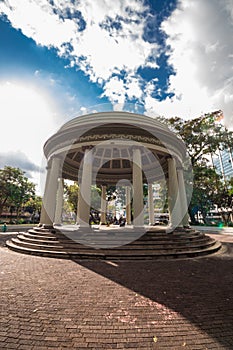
<point x="223" y="162"/>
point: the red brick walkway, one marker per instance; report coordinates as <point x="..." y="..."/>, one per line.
<point x="58" y="304"/>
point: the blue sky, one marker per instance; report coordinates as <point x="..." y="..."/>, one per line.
<point x="62" y="58"/>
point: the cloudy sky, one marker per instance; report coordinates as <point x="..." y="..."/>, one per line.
<point x="62" y="58"/>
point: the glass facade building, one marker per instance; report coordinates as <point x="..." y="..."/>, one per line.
<point x="223" y="162"/>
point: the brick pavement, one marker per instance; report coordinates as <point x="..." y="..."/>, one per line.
<point x="63" y="304"/>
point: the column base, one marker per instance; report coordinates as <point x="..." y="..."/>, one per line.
<point x="46" y="226"/>
<point x="85" y="230"/>
<point x="138" y="228"/>
<point x="171" y="229"/>
<point x="178" y="228"/>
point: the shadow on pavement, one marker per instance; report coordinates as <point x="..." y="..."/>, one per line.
<point x="5" y="236"/>
<point x="200" y="290"/>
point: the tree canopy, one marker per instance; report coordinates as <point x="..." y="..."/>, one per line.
<point x="72" y="193"/>
<point x="15" y="189"/>
<point x="203" y="136"/>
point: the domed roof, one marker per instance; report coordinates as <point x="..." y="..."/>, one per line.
<point x="113" y="134"/>
<point x="113" y="116"/>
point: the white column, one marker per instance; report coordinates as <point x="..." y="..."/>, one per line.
<point x="103" y="205"/>
<point x="150" y="204"/>
<point x="231" y="217"/>
<point x="183" y="198"/>
<point x="59" y="204"/>
<point x="85" y="190"/>
<point x="128" y="206"/>
<point x="49" y="199"/>
<point x="78" y="206"/>
<point x="43" y="215"/>
<point x="138" y="213"/>
<point x="173" y="195"/>
<point x="169" y="199"/>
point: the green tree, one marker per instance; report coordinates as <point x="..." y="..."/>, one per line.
<point x="33" y="206"/>
<point x="115" y="192"/>
<point x="71" y="194"/>
<point x="208" y="189"/>
<point x="230" y="188"/>
<point x="15" y="189"/>
<point x="95" y="198"/>
<point x="203" y="136"/>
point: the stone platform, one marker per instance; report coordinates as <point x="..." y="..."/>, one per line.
<point x="114" y="244"/>
<point x="49" y="304"/>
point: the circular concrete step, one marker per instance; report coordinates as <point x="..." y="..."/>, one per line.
<point x="151" y="245"/>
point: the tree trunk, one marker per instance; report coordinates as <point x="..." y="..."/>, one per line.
<point x="1" y="209"/>
<point x="2" y="205"/>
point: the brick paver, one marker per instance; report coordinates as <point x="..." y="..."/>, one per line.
<point x="62" y="304"/>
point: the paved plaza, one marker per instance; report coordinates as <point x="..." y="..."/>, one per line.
<point x="63" y="304"/>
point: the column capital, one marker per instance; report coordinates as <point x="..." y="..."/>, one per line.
<point x="88" y="147"/>
<point x="48" y="166"/>
<point x="49" y="163"/>
<point x="172" y="159"/>
<point x="55" y="156"/>
<point x="133" y="148"/>
<point x="136" y="147"/>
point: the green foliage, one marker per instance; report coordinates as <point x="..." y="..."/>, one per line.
<point x="71" y="194"/>
<point x="208" y="189"/>
<point x="115" y="192"/>
<point x="15" y="189"/>
<point x="203" y="136"/>
<point x="33" y="206"/>
<point x="230" y="187"/>
<point x="95" y="198"/>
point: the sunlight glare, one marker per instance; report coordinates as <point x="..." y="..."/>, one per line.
<point x="27" y="118"/>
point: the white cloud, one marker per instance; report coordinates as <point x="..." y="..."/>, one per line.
<point x="110" y="42"/>
<point x="108" y="49"/>
<point x="133" y="87"/>
<point x="27" y="120"/>
<point x="37" y="20"/>
<point x="200" y="38"/>
<point x="20" y="160"/>
<point x="124" y="49"/>
<point x="105" y="39"/>
<point x="115" y="90"/>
